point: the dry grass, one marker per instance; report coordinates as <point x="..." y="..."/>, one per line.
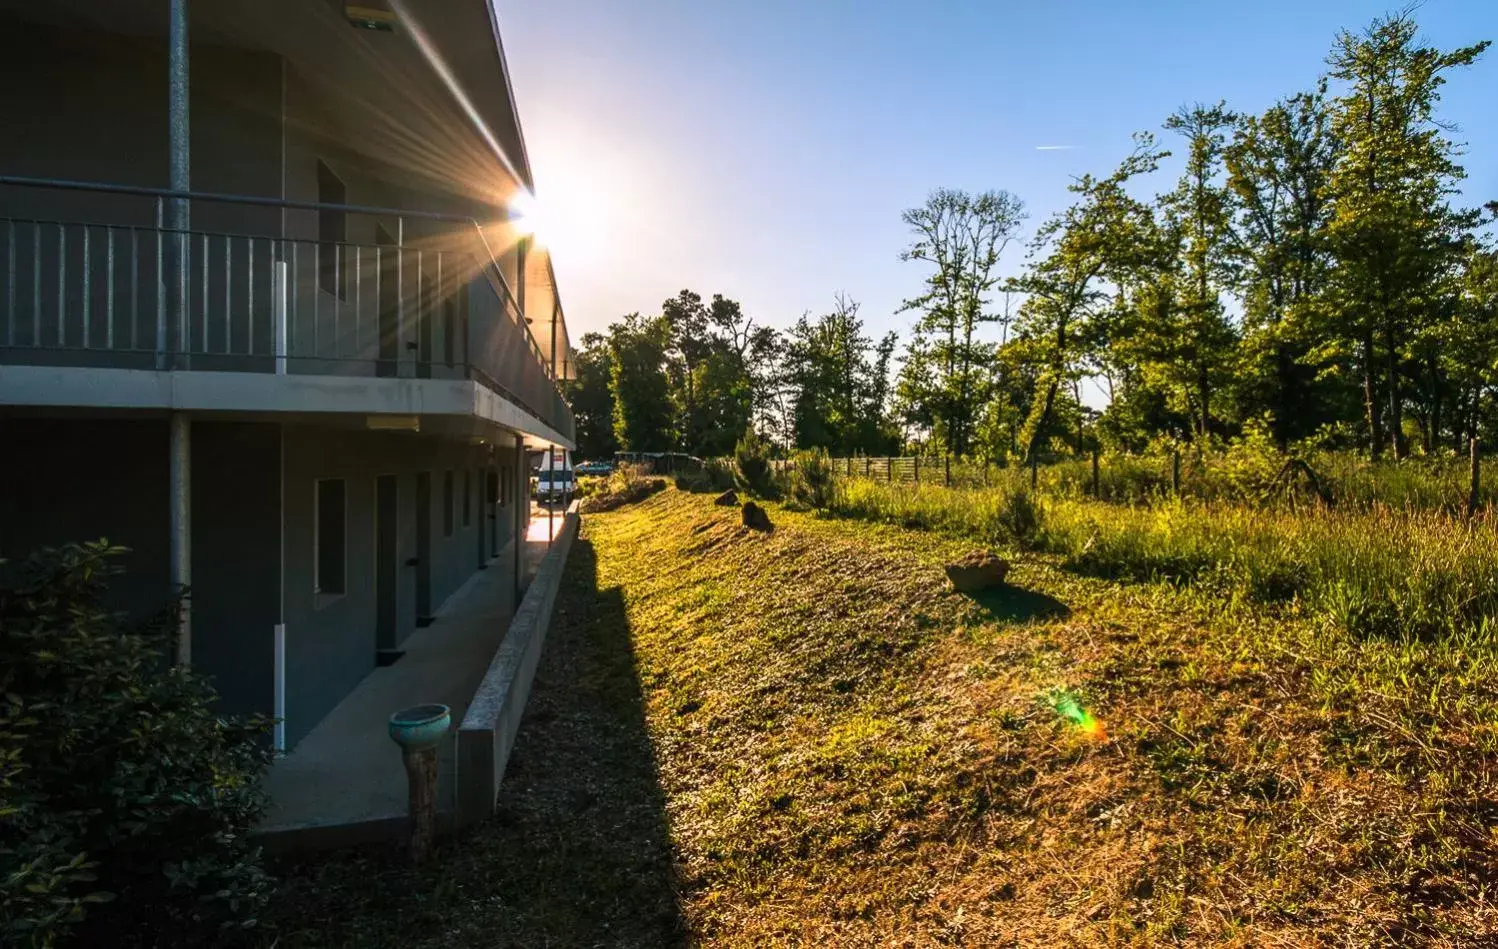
<point x="847" y="753"/>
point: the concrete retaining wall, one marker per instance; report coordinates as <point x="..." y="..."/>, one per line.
<point x="487" y="734"/>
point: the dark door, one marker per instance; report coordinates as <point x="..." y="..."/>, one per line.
<point x="388" y="359"/>
<point x="423" y="548"/>
<point x="387" y="574"/>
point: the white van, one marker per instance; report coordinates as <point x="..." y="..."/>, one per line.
<point x="555" y="479"/>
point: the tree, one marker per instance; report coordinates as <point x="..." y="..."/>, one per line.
<point x="961" y="237"/>
<point x="1104" y="238"/>
<point x="1393" y="230"/>
<point x="638" y="383"/>
<point x="1193" y="324"/>
<point x="592" y="400"/>
<point x="717" y="364"/>
<point x="1278" y="165"/>
<point x="838" y="383"/>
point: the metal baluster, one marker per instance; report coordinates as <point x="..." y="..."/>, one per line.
<point x="249" y="284"/>
<point x="62" y="285"/>
<point x="134" y="287"/>
<point x="292" y="291"/>
<point x="337" y="250"/>
<point x="10" y="283"/>
<point x="86" y="293"/>
<point x="228" y="293"/>
<point x="36" y="284"/>
<point x="447" y="343"/>
<point x="423" y="320"/>
<point x="205" y="288"/>
<point x="109" y="288"/>
<point x="317" y="300"/>
<point x="161" y="342"/>
<point x="358" y="298"/>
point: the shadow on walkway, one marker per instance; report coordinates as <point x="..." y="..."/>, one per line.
<point x="579" y="853"/>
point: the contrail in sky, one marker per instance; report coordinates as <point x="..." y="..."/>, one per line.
<point x="1054" y="148"/>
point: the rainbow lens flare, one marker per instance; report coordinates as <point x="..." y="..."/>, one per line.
<point x="1066" y="704"/>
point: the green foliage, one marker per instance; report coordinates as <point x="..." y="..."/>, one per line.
<point x="638" y="384"/>
<point x="838" y="383"/>
<point x="947" y="373"/>
<point x="126" y="800"/>
<point x="627" y="484"/>
<point x="591" y="398"/>
<point x="751" y="458"/>
<point x="1021" y="517"/>
<point x="811" y="478"/>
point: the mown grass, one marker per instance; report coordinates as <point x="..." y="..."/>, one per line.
<point x="835" y="749"/>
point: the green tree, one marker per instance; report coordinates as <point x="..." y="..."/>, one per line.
<point x="1076" y="260"/>
<point x="1393" y="230"/>
<point x="961" y="238"/>
<point x="1278" y="164"/>
<point x="592" y="399"/>
<point x="638" y="383"/>
<point x="1199" y="342"/>
<point x="838" y="381"/>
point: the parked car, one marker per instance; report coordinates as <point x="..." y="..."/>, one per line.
<point x="558" y="485"/>
<point x="595" y="468"/>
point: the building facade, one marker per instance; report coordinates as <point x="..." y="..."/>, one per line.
<point x="264" y="321"/>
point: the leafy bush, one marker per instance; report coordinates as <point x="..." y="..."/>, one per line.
<point x="811" y="478"/>
<point x="1020" y="518"/>
<point x="751" y="458"/>
<point x="627" y="484"/>
<point x="719" y="474"/>
<point x="125" y="800"/>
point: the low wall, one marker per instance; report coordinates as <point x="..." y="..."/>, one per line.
<point x="487" y="734"/>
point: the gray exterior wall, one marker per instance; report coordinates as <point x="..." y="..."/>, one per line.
<point x="90" y="478"/>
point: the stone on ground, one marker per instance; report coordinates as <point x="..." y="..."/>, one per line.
<point x="755" y="517"/>
<point x="727" y="499"/>
<point x="980" y="570"/>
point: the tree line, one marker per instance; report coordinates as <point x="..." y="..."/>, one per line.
<point x="1309" y="276"/>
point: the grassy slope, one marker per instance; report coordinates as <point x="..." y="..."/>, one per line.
<point x="847" y="753"/>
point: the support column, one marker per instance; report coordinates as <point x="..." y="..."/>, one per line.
<point x="179" y="164"/>
<point x="522" y="498"/>
<point x="181" y="527"/>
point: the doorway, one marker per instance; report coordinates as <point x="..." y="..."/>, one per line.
<point x="423" y="548"/>
<point x="387" y="575"/>
<point x="387" y="362"/>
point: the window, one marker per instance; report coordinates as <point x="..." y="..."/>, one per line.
<point x="329" y="537"/>
<point x="467" y="497"/>
<point x="332" y="230"/>
<point x="447" y="503"/>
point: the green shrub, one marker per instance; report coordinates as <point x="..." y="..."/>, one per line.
<point x="811" y="478"/>
<point x="125" y="800"/>
<point x="1020" y="517"/>
<point x="719" y="474"/>
<point x="751" y="458"/>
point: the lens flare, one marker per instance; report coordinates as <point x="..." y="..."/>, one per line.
<point x="1066" y="704"/>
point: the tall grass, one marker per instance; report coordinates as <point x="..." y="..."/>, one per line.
<point x="1375" y="572"/>
<point x="1246" y="472"/>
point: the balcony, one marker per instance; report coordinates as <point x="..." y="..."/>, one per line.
<point x="110" y="286"/>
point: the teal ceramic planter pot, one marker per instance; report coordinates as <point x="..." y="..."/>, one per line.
<point x="420" y="727"/>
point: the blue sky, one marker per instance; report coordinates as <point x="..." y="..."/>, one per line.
<point x="765" y="150"/>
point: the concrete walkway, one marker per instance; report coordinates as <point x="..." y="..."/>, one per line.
<point x="344" y="782"/>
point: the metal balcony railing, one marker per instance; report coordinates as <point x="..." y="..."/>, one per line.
<point x="95" y="293"/>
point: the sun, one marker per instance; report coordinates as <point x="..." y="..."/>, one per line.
<point x="528" y="216"/>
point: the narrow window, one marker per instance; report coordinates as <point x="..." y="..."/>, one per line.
<point x="467" y="497"/>
<point x="447" y="503"/>
<point x="332" y="230"/>
<point x="329" y="537"/>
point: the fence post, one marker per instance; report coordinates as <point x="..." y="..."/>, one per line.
<point x="850" y="466"/>
<point x="1034" y="473"/>
<point x="889" y="469"/>
<point x="868" y="463"/>
<point x="1476" y="480"/>
<point x="1175" y="472"/>
<point x="917" y="469"/>
<point x="1095" y="486"/>
<point x="946" y="459"/>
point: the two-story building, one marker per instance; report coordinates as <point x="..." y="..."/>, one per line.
<point x="264" y="320"/>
